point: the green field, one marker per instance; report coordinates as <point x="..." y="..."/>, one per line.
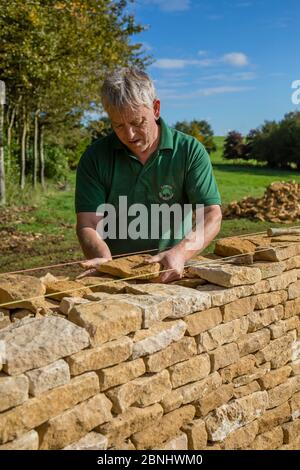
<point x="46" y="234"/>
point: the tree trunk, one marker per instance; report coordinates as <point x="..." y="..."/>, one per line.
<point x="9" y="132"/>
<point x="42" y="159"/>
<point x="23" y="149"/>
<point x="2" y="170"/>
<point x="35" y="147"/>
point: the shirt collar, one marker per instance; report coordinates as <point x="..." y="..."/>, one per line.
<point x="166" y="137"/>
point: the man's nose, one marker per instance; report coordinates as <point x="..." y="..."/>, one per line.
<point x="130" y="132"/>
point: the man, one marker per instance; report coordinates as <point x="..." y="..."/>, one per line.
<point x="147" y="163"/>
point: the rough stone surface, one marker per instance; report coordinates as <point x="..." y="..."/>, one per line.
<point x="67" y="303"/>
<point x="4" y="318"/>
<point x="13" y="391"/>
<point x="131" y="421"/>
<point x="142" y="392"/>
<point x="39" y="342"/>
<point x="245" y="365"/>
<point x="196" y="434"/>
<point x="176" y="352"/>
<point x="48" y="377"/>
<point x="266" y="300"/>
<point x="157" y="337"/>
<point x="274" y="417"/>
<point x="38" y="410"/>
<point x="214" y="399"/>
<point x="197" y="390"/>
<point x="168" y="427"/>
<point x="238" y="308"/>
<point x="222" y="334"/>
<point x="91" y="441"/>
<point x="130" y="266"/>
<point x="232" y="416"/>
<point x="254" y="342"/>
<point x="59" y="289"/>
<point x="16" y="287"/>
<point x="28" y="441"/>
<point x="120" y="374"/>
<point x="75" y="423"/>
<point x="221" y="296"/>
<point x="241" y="438"/>
<point x="262" y="318"/>
<point x="184" y="299"/>
<point x="97" y="358"/>
<point x="191" y="370"/>
<point x="107" y="320"/>
<point x="228" y="276"/>
<point x="202" y="321"/>
<point x="224" y="355"/>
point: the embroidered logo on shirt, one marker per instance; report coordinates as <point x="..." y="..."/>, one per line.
<point x="166" y="192"/>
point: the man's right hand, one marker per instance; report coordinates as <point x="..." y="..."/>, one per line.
<point x="91" y="266"/>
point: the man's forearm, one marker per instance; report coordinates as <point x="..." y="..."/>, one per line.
<point x="199" y="238"/>
<point x="92" y="245"/>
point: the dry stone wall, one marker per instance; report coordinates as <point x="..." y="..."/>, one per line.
<point x="141" y="365"/>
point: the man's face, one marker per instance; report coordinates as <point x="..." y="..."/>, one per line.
<point x="137" y="129"/>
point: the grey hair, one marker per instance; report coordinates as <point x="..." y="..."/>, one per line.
<point x="127" y="87"/>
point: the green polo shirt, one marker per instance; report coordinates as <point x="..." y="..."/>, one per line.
<point x="179" y="172"/>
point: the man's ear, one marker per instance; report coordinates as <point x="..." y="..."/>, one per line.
<point x="156" y="108"/>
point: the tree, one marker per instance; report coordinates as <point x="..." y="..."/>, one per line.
<point x="53" y="57"/>
<point x="201" y="130"/>
<point x="234" y="146"/>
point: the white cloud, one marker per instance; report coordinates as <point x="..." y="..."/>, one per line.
<point x="202" y="53"/>
<point x="172" y="94"/>
<point x="170" y="5"/>
<point x="237" y="59"/>
<point x="222" y="89"/>
<point x="240" y="76"/>
<point x="174" y="63"/>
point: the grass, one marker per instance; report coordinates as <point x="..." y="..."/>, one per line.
<point x="54" y="218"/>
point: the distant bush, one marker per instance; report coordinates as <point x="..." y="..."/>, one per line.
<point x="201" y="130"/>
<point x="234" y="146"/>
<point x="275" y="143"/>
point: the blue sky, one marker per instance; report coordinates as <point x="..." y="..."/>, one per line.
<point x="231" y="62"/>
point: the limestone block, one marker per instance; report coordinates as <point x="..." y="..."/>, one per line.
<point x="191" y="370"/>
<point x="120" y="374"/>
<point x="13" y="391"/>
<point x="107" y="320"/>
<point x="176" y="352"/>
<point x="184" y="299"/>
<point x="48" y="377"/>
<point x="141" y="392"/>
<point x="28" y="441"/>
<point x="91" y="441"/>
<point x="168" y="426"/>
<point x="227" y="275"/>
<point x="157" y="337"/>
<point x="233" y="416"/>
<point x="75" y="423"/>
<point x="40" y="342"/>
<point x="106" y="355"/>
<point x="223" y="356"/>
<point x="35" y="411"/>
<point x="130" y="266"/>
<point x="202" y="321"/>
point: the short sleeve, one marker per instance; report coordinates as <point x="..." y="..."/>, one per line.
<point x="90" y="191"/>
<point x="200" y="183"/>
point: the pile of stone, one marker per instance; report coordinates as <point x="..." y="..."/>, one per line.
<point x="113" y="363"/>
<point x="279" y="204"/>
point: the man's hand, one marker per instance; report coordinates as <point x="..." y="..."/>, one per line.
<point x="172" y="260"/>
<point x="91" y="266"/>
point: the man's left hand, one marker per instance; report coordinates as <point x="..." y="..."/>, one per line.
<point x="172" y="261"/>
